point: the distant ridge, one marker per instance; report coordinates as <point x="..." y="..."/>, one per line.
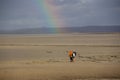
<point x="45" y="30"/>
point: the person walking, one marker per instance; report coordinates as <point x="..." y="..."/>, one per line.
<point x="72" y="55"/>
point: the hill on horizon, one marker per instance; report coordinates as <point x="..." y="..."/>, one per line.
<point x="46" y="30"/>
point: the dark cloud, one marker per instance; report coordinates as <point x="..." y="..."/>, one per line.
<point x="63" y="2"/>
<point x="28" y="13"/>
<point x="93" y="12"/>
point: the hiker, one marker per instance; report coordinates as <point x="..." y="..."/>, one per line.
<point x="72" y="55"/>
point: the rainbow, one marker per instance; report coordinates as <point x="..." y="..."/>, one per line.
<point x="51" y="16"/>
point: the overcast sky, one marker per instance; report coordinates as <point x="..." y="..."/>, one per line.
<point x="15" y="14"/>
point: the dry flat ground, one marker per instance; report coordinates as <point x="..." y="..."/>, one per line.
<point x="44" y="57"/>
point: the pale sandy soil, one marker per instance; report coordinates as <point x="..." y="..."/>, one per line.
<point x="44" y="57"/>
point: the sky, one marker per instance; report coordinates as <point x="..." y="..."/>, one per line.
<point x="18" y="14"/>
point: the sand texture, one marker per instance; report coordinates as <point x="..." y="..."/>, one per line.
<point x="45" y="57"/>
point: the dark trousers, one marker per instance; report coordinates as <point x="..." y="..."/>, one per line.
<point x="71" y="59"/>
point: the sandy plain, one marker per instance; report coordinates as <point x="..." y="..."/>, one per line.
<point x="45" y="57"/>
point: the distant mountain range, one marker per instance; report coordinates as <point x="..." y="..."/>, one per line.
<point x="45" y="30"/>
